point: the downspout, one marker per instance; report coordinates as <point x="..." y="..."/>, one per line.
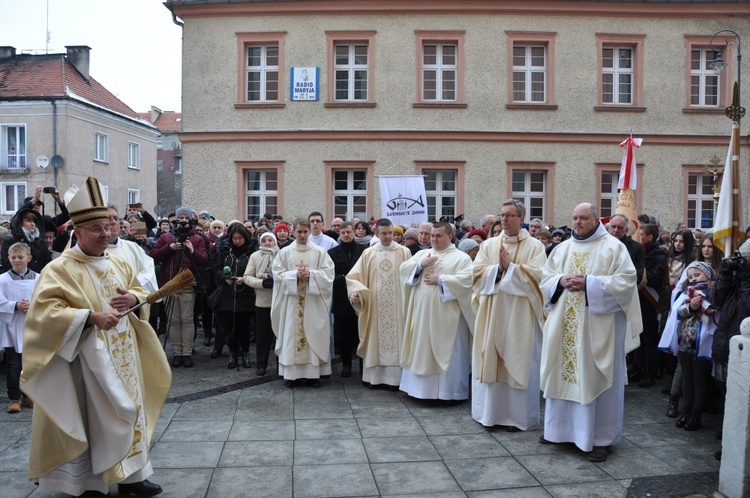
<point x="54" y="145"/>
<point x="182" y="25"/>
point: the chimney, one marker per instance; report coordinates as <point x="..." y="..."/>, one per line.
<point x="78" y="55"/>
<point x="155" y="113"/>
<point x="7" y="53"/>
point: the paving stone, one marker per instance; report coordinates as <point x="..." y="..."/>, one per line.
<point x="186" y="455"/>
<point x="246" y="482"/>
<point x="475" y="474"/>
<point x="187" y="483"/>
<point x="197" y="430"/>
<point x="17" y="484"/>
<point x="257" y="454"/>
<point x="334" y="480"/>
<point x="15" y="457"/>
<point x="443" y="425"/>
<point x="535" y="492"/>
<point x="468" y="446"/>
<point x="221" y="407"/>
<point x="634" y="462"/>
<point x="455" y="494"/>
<point x="258" y="409"/>
<point x="390" y="427"/>
<point x="14" y="431"/>
<point x="434" y="407"/>
<point x="559" y="469"/>
<point x="692" y="458"/>
<point x="526" y="443"/>
<point x="605" y="489"/>
<point x="413" y="477"/>
<point x="658" y="435"/>
<point x="400" y="449"/>
<point x="317" y="409"/>
<point x="165" y="417"/>
<point x="329" y="452"/>
<point x="327" y="429"/>
<point x="692" y="485"/>
<point x="381" y="409"/>
<point x="262" y="430"/>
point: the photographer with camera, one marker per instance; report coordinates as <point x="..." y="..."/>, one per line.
<point x="181" y="248"/>
<point x="37" y="205"/>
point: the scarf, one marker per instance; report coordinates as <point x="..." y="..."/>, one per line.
<point x="266" y="260"/>
<point x="363" y="240"/>
<point x="30" y="236"/>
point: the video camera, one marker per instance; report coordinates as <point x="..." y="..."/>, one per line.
<point x="181" y="229"/>
<point x="736" y="263"/>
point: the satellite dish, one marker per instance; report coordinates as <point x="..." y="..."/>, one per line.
<point x="57" y="161"/>
<point x="158" y="210"/>
<point x="42" y="161"/>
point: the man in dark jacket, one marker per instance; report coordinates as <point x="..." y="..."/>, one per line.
<point x="37" y="205"/>
<point x="26" y="226"/>
<point x="345" y="328"/>
<point x="175" y="251"/>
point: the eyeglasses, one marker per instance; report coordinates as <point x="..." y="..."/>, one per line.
<point x="506" y="215"/>
<point x="97" y="230"/>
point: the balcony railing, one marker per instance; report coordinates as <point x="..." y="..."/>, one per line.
<point x="12" y="160"/>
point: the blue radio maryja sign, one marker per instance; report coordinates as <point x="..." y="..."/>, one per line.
<point x="305" y="83"/>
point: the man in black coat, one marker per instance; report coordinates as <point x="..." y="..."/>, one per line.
<point x="647" y="355"/>
<point x="345" y="327"/>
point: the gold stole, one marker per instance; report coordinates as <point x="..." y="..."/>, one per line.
<point x="386" y="282"/>
<point x="301" y="355"/>
<point x="573" y="319"/>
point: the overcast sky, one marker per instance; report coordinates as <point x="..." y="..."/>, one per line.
<point x="136" y="49"/>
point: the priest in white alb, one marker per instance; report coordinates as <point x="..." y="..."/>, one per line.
<point x="303" y="276"/>
<point x="507" y="345"/>
<point x="98" y="380"/>
<point x="590" y="285"/>
<point x="375" y="291"/>
<point x="134" y="254"/>
<point x="438" y="320"/>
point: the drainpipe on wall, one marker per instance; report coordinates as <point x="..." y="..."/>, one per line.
<point x="54" y="145"/>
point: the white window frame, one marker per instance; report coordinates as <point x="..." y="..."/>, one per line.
<point x="527" y="194"/>
<point x="134" y="155"/>
<point x="101" y="147"/>
<point x="105" y="193"/>
<point x="263" y="193"/>
<point x="177" y="166"/>
<point x="17" y="160"/>
<point x="134" y="196"/>
<point x="438" y="194"/>
<point x="612" y="195"/>
<point x="19" y="197"/>
<point x="350" y="193"/>
<point x="440" y="68"/>
<point x="263" y="69"/>
<point x="704" y="73"/>
<point x="527" y="70"/>
<point x="351" y="67"/>
<point x="616" y="71"/>
<point x="699" y="198"/>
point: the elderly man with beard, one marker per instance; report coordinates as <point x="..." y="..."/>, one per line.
<point x="438" y="318"/>
<point x="589" y="284"/>
<point x="508" y="330"/>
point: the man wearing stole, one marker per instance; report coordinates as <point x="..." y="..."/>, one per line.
<point x="99" y="381"/>
<point x="300" y="309"/>
<point x="589" y="282"/>
<point x="374" y="289"/>
<point x="435" y="354"/>
<point x="508" y="331"/>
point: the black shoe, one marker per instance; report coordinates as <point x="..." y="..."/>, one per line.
<point x="694" y="423"/>
<point x="646" y="381"/>
<point x="512" y="428"/>
<point x="346" y="371"/>
<point x="232" y="362"/>
<point x="682" y="421"/>
<point x="143" y="488"/>
<point x="313" y="382"/>
<point x="291" y="383"/>
<point x="177" y="361"/>
<point x="246" y="360"/>
<point x="668" y="388"/>
<point x="215" y="353"/>
<point x="634" y="377"/>
<point x="674" y="403"/>
<point x="544" y="441"/>
<point x="187" y="362"/>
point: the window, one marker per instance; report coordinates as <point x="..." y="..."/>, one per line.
<point x="707" y="92"/>
<point x="259" y="188"/>
<point x="134" y="153"/>
<point x="440" y="69"/>
<point x="608" y="193"/>
<point x="351" y="67"/>
<point x="260" y="70"/>
<point x="349" y="183"/>
<point x="101" y="148"/>
<point x="105" y="194"/>
<point x="13" y="147"/>
<point x="531" y="183"/>
<point x="159" y="165"/>
<point x="444" y="186"/>
<point x="177" y="165"/>
<point x="532" y="65"/>
<point x="700" y="200"/>
<point x="134" y="196"/>
<point x="620" y="72"/>
<point x="13" y="195"/>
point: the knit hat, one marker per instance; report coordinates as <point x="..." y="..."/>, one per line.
<point x="558" y="231"/>
<point x="467" y="244"/>
<point x="398" y="229"/>
<point x="232" y="222"/>
<point x="412" y="233"/>
<point x="745" y="249"/>
<point x="479" y="232"/>
<point x="217" y="223"/>
<point x="280" y="226"/>
<point x="269" y="234"/>
<point x="183" y="211"/>
<point x="86" y="204"/>
<point x="704" y="267"/>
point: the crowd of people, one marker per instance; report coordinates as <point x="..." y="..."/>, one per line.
<point x="495" y="312"/>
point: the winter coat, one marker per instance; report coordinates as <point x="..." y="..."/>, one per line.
<point x="40" y="254"/>
<point x="162" y="253"/>
<point x="732" y="297"/>
<point x="343" y="262"/>
<point x="234" y="298"/>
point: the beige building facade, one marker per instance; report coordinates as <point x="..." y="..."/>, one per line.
<point x="487" y="99"/>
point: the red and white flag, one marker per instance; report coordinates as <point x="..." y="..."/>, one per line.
<point x="628" y="174"/>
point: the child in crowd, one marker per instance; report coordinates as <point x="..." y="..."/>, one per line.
<point x="16" y="287"/>
<point x="689" y="335"/>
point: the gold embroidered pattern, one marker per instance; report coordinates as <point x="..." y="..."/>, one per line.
<point x="300" y="318"/>
<point x="387" y="319"/>
<point x="573" y="321"/>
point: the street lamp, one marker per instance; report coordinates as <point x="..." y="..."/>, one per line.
<point x="734" y="111"/>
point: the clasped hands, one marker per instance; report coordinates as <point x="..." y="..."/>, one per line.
<point x="105" y="320"/>
<point x="303" y="273"/>
<point x="503" y="259"/>
<point x="430" y="277"/>
<point x="573" y="283"/>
